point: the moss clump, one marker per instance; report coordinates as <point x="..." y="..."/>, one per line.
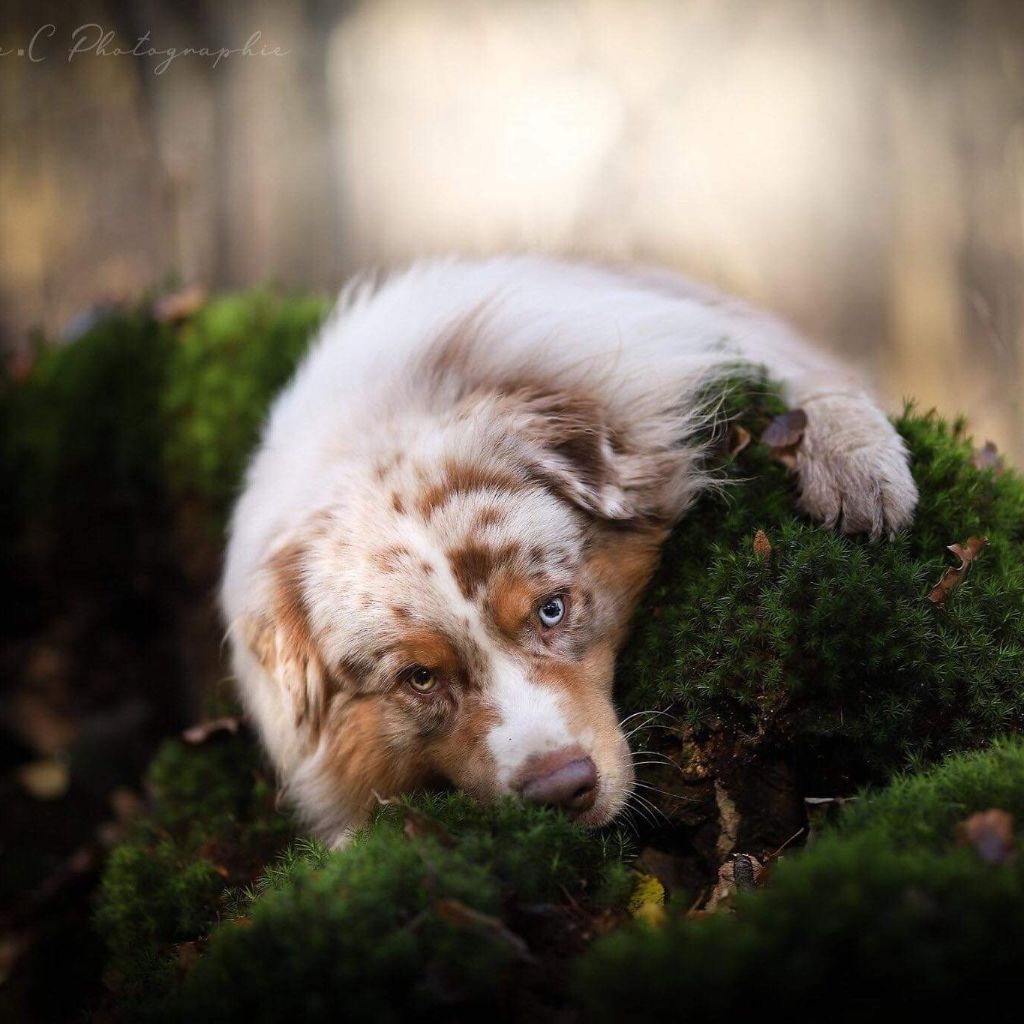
<point x="399" y="925"/>
<point x="422" y="914"/>
<point x="886" y="906"/>
<point x="213" y="824"/>
<point x="227" y="365"/>
<point x="829" y="644"/>
<point x="106" y="430"/>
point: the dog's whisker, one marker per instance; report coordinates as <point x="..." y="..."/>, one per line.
<point x="626" y="816"/>
<point x="645" y="815"/>
<point x="664" y="792"/>
<point x="654" y="756"/>
<point x="644" y="726"/>
<point x="654" y="812"/>
<point x="652" y="713"/>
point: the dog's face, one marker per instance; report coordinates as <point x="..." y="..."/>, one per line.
<point x="455" y="618"/>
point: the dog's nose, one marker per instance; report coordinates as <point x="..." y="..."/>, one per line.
<point x="566" y="779"/>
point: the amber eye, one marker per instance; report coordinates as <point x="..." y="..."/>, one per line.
<point x="422" y="680"/>
<point x="552" y="611"/>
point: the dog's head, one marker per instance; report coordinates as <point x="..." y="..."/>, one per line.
<point x="454" y="615"/>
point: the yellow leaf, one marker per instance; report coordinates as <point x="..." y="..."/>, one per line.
<point x="647" y="903"/>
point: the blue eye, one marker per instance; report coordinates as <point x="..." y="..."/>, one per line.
<point x="552" y="611"/>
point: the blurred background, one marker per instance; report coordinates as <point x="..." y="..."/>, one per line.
<point x="855" y="166"/>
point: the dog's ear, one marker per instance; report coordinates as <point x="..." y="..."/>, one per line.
<point x="280" y="636"/>
<point x="575" y="451"/>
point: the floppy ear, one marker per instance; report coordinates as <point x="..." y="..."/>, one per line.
<point x="280" y="636"/>
<point x="576" y="452"/>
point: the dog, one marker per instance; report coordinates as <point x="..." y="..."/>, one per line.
<point x="457" y="502"/>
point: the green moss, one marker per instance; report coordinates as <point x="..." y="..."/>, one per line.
<point x="203" y="784"/>
<point x="886" y="906"/>
<point x="414" y="918"/>
<point x="825" y="653"/>
<point x="155" y="893"/>
<point x="830" y="643"/>
<point x="212" y="825"/>
<point x="106" y="431"/>
<point x="77" y="444"/>
<point x="358" y="938"/>
<point x="227" y="364"/>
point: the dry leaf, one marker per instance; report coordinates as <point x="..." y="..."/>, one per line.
<point x="205" y="731"/>
<point x="990" y="833"/>
<point x="647" y="902"/>
<point x="188" y="956"/>
<point x="954" y="576"/>
<point x="819" y="809"/>
<point x="762" y="545"/>
<point x="45" y="780"/>
<point x="988" y="457"/>
<point x="785" y="431"/>
<point x="418" y="825"/>
<point x="180" y="305"/>
<point x="13" y="946"/>
<point x="739" y="438"/>
<point x="784" y="434"/>
<point x="458" y="913"/>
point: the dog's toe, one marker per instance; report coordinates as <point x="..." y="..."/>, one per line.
<point x="854" y="470"/>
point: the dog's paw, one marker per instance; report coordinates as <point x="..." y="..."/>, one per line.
<point x="853" y="467"/>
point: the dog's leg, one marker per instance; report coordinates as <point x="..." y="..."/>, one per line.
<point x="852" y="465"/>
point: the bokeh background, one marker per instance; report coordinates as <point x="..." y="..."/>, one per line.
<point x="857" y="165"/>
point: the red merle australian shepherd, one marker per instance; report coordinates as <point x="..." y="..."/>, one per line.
<point x="457" y="502"/>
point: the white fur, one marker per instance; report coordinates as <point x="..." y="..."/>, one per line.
<point x="643" y="343"/>
<point x="531" y="721"/>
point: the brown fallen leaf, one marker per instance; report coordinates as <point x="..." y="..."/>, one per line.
<point x="188" y="954"/>
<point x="739" y="438"/>
<point x="990" y="833"/>
<point x="417" y="825"/>
<point x="786" y="429"/>
<point x="988" y="457"/>
<point x="784" y="434"/>
<point x="954" y="576"/>
<point x="180" y="305"/>
<point x="820" y="809"/>
<point x="459" y="914"/>
<point x="762" y="545"/>
<point x="47" y="779"/>
<point x="203" y="732"/>
<point x="13" y="945"/>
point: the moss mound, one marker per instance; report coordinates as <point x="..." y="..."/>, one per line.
<point x="828" y="644"/>
<point x="425" y="913"/>
<point x="808" y="665"/>
<point x="443" y="908"/>
<point x="885" y="909"/>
